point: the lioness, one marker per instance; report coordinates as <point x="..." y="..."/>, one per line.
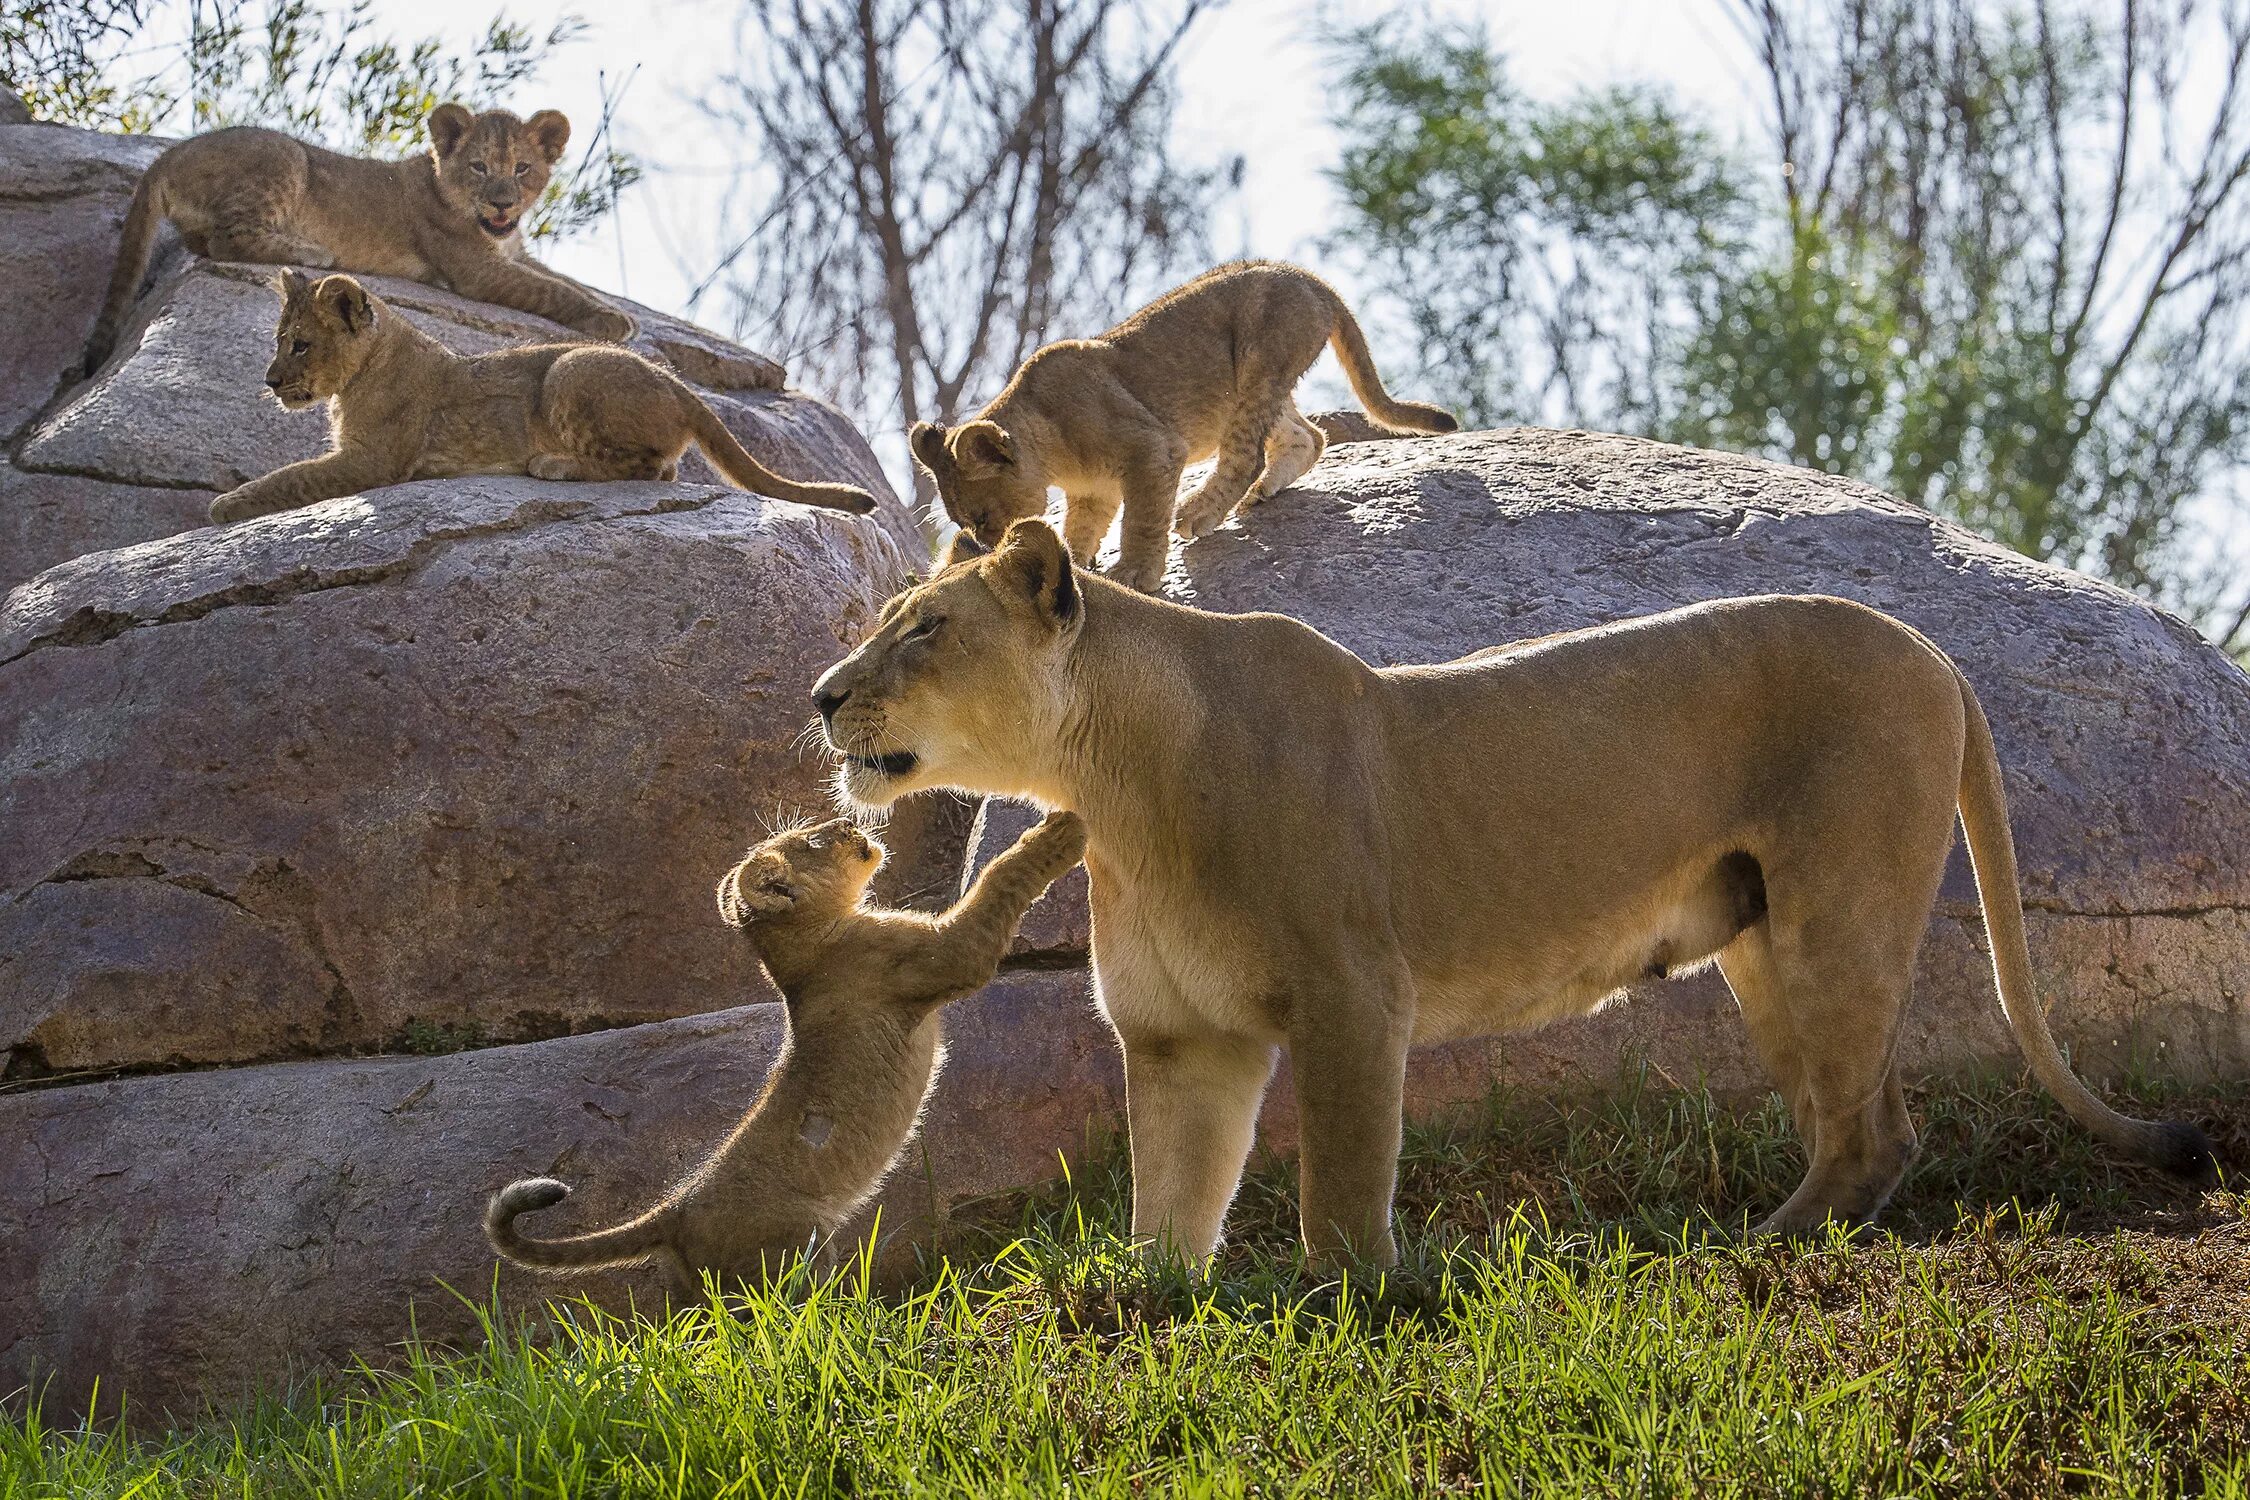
<point x="453" y="218"/>
<point x="1288" y="846"/>
<point x="1113" y="420"/>
<point x="402" y="406"/>
<point x="864" y="989"/>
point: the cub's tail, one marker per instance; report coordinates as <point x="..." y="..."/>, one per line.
<point x="634" y="1240"/>
<point x="151" y="205"/>
<point x="2172" y="1146"/>
<point x="730" y="458"/>
<point x="1359" y="368"/>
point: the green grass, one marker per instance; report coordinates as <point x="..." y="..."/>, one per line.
<point x="1570" y="1319"/>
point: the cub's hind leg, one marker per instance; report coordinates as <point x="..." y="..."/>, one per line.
<point x="1292" y="448"/>
<point x="266" y="245"/>
<point x="1241" y="457"/>
<point x="605" y="415"/>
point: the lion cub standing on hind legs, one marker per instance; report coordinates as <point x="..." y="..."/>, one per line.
<point x="1209" y="368"/>
<point x="453" y="219"/>
<point x="402" y="406"/>
<point x="863" y="988"/>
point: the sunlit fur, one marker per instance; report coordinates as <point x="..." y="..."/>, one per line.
<point x="1288" y="847"/>
<point x="864" y="988"/>
<point x="452" y="217"/>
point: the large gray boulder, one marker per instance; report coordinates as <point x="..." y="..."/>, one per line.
<point x="460" y="760"/>
<point x="194" y="1237"/>
<point x="179" y="412"/>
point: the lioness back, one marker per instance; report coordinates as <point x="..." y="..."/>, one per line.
<point x="1207" y="369"/>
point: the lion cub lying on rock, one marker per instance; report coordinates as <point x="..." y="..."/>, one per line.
<point x="402" y="406"/>
<point x="1209" y="368"/>
<point x="453" y="218"/>
<point x="863" y="988"/>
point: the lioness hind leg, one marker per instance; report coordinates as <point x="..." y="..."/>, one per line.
<point x="1191" y="1111"/>
<point x="1841" y="993"/>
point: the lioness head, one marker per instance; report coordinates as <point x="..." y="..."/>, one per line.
<point x="324" y="336"/>
<point x="960" y="675"/>
<point x="493" y="167"/>
<point x="986" y="479"/>
<point x="820" y="870"/>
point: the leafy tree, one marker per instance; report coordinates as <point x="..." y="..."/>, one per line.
<point x="323" y="73"/>
<point x="1997" y="262"/>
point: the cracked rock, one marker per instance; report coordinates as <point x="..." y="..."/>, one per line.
<point x="462" y="760"/>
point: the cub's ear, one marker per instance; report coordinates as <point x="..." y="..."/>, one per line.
<point x="754" y="889"/>
<point x="927" y="440"/>
<point x="963" y="548"/>
<point x="1033" y="558"/>
<point x="292" y="284"/>
<point x="982" y="445"/>
<point x="448" y="126"/>
<point x="348" y="300"/>
<point x="550" y="128"/>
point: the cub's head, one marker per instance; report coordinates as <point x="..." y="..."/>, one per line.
<point x="986" y="479"/>
<point x="821" y="872"/>
<point x="493" y="167"/>
<point x="963" y="682"/>
<point x="326" y="332"/>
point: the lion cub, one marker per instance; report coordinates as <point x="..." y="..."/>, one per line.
<point x="863" y="989"/>
<point x="402" y="406"/>
<point x="453" y="218"/>
<point x="1209" y="368"/>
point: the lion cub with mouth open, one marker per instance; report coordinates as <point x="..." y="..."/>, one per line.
<point x="863" y="989"/>
<point x="1113" y="420"/>
<point x="402" y="406"/>
<point x="453" y="218"/>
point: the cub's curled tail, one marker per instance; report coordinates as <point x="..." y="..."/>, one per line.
<point x="1359" y="367"/>
<point x="730" y="458"/>
<point x="2172" y="1146"/>
<point x="629" y="1243"/>
<point x="150" y="207"/>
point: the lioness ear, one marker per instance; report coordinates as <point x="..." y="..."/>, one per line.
<point x="927" y="441"/>
<point x="348" y="300"/>
<point x="551" y="129"/>
<point x="754" y="889"/>
<point x="448" y="124"/>
<point x="1033" y="558"/>
<point x="963" y="548"/>
<point x="982" y="444"/>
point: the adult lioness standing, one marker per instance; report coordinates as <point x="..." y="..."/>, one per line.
<point x="453" y="218"/>
<point x="1290" y="847"/>
<point x="1208" y="368"/>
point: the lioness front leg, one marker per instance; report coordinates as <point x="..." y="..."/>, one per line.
<point x="293" y="486"/>
<point x="1191" y="1111"/>
<point x="1347" y="1053"/>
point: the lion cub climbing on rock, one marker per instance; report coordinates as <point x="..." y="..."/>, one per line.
<point x="863" y="989"/>
<point x="1209" y="368"/>
<point x="453" y="218"/>
<point x="402" y="406"/>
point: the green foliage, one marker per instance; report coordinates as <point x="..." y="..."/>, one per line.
<point x="2000" y="265"/>
<point x="1554" y="1330"/>
<point x="322" y="72"/>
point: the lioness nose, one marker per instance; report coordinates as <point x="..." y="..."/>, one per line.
<point x="827" y="699"/>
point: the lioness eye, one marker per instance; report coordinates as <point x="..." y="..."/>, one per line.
<point x="299" y="347"/>
<point x="926" y="628"/>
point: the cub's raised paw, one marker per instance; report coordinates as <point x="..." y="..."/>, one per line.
<point x="1062" y="835"/>
<point x="609" y="323"/>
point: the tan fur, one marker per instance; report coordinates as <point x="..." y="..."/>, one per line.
<point x="402" y="406"/>
<point x="1288" y="847"/>
<point x="452" y="218"/>
<point x="1206" y="369"/>
<point x="864" y="989"/>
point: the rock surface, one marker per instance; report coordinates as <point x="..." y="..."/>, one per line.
<point x="179" y="411"/>
<point x="2126" y="738"/>
<point x="189" y="1237"/>
<point x="469" y="755"/>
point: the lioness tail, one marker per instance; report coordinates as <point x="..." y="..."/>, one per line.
<point x="1359" y="368"/>
<point x="730" y="458"/>
<point x="635" y="1240"/>
<point x="2173" y="1146"/>
<point x="150" y="205"/>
